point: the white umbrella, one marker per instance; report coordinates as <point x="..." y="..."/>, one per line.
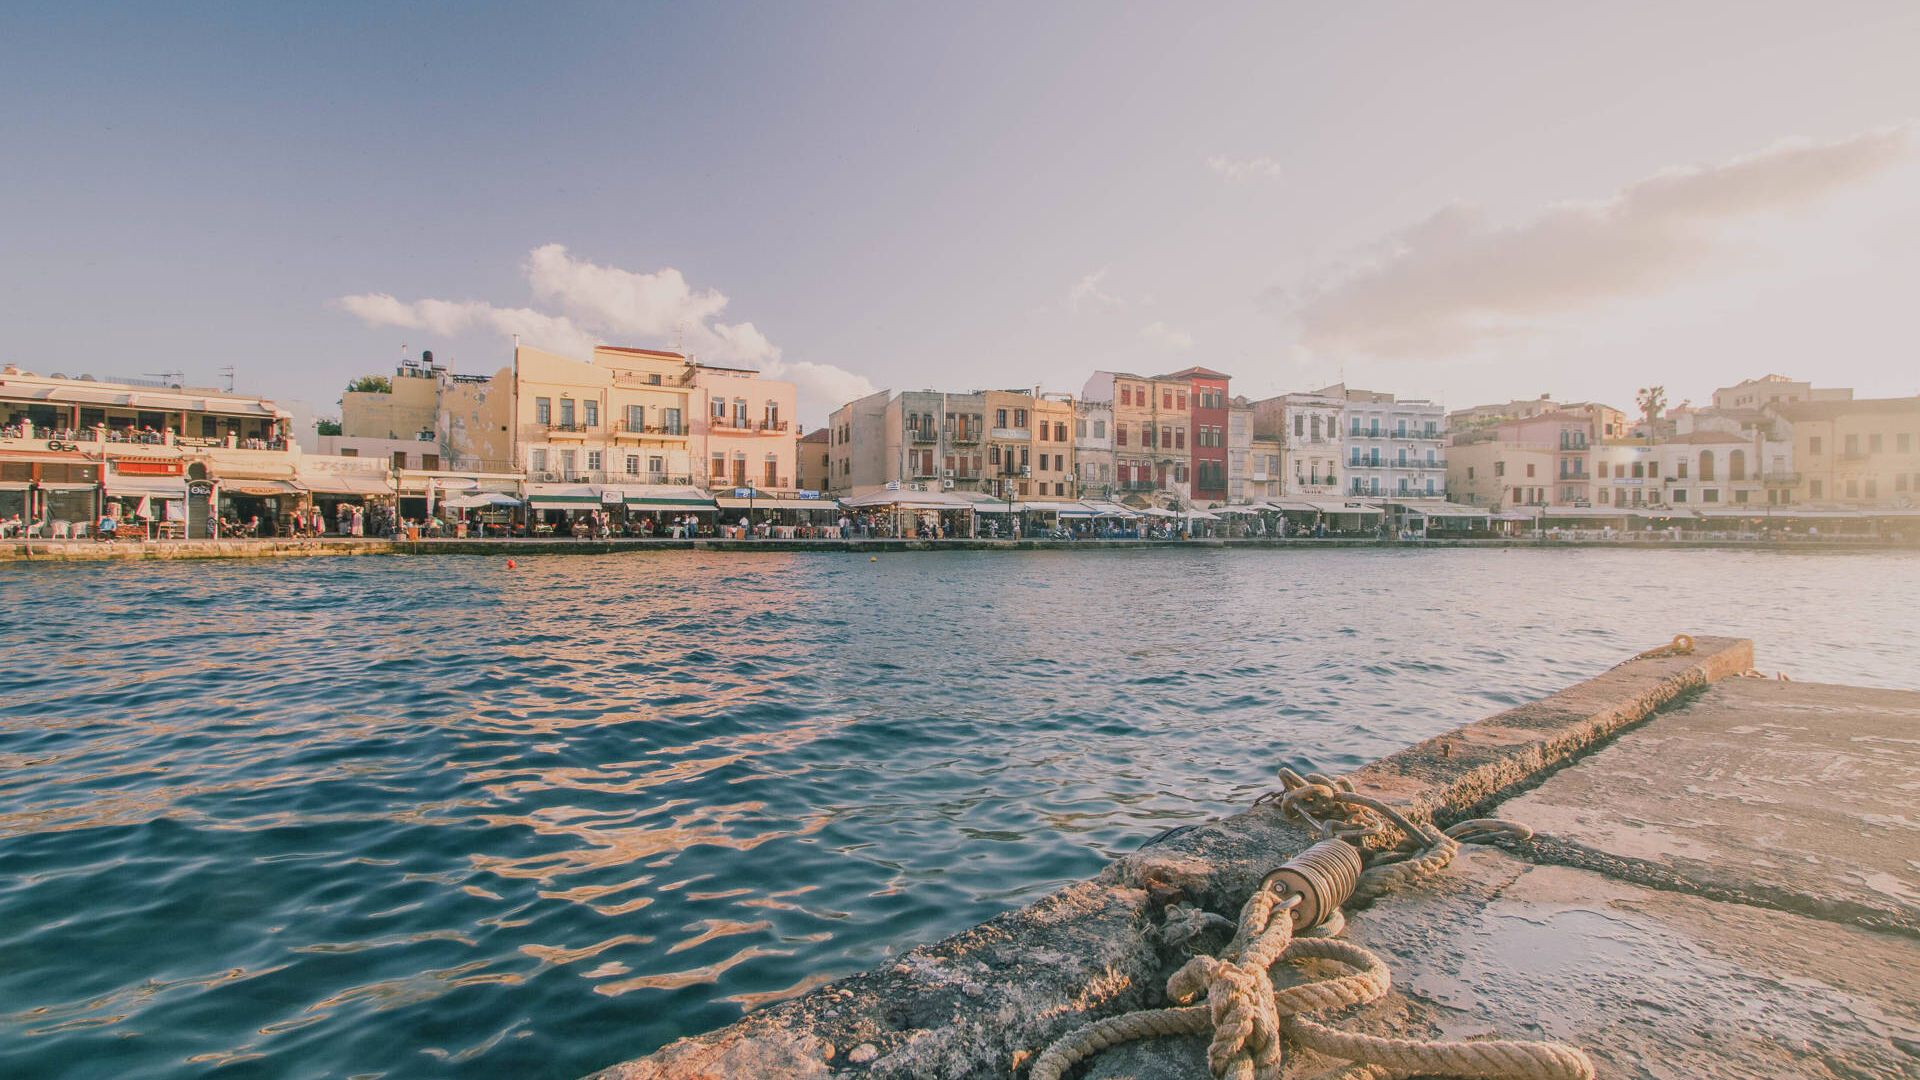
<point x="144" y="509"/>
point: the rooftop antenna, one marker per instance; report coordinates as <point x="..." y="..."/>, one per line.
<point x="228" y="372"/>
<point x="173" y="378"/>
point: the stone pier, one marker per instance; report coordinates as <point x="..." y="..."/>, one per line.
<point x="1725" y="882"/>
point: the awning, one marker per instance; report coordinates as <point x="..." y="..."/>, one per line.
<point x="1331" y="507"/>
<point x="1236" y="510"/>
<point x="159" y="487"/>
<point x="772" y="503"/>
<point x="1112" y="510"/>
<point x="345" y="483"/>
<point x="1154" y="511"/>
<point x="478" y="500"/>
<point x="910" y="500"/>
<point x="259" y="487"/>
<point x="562" y="496"/>
<point x="666" y="497"/>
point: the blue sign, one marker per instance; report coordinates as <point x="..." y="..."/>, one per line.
<point x="743" y="493"/>
<point x="809" y="494"/>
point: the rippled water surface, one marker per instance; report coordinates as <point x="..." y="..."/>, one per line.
<point x="426" y="817"/>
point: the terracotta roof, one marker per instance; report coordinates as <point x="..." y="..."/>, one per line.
<point x="1833" y="410"/>
<point x="816" y="435"/>
<point x="1195" y="373"/>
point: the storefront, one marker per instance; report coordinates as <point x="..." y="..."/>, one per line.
<point x="562" y="509"/>
<point x="913" y="513"/>
<point x="783" y="517"/>
<point x="662" y="510"/>
<point x="343" y="488"/>
<point x="256" y="508"/>
<point x="148" y="495"/>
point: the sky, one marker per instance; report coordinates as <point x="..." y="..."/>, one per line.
<point x="1467" y="202"/>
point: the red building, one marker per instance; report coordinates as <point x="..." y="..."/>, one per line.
<point x="1208" y="390"/>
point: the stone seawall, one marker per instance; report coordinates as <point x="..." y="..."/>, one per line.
<point x="981" y="1002"/>
<point x="93" y="551"/>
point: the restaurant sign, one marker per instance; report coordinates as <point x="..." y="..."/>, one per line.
<point x="126" y="467"/>
<point x="200" y="489"/>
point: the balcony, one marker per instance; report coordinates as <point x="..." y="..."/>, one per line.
<point x="724" y="425"/>
<point x="923" y="436"/>
<point x="1782" y="479"/>
<point x="1012" y="434"/>
<point x="563" y="430"/>
<point x="657" y="431"/>
<point x="964" y="435"/>
<point x="1138" y="485"/>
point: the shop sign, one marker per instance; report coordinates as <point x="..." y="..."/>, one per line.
<point x="809" y="494"/>
<point x="200" y="489"/>
<point x="146" y="468"/>
<point x="743" y="493"/>
<point x="57" y="445"/>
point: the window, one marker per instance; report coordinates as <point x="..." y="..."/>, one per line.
<point x="670" y="419"/>
<point x="1024" y="462"/>
<point x="1853" y="446"/>
<point x="1181" y="402"/>
<point x="1119" y="434"/>
<point x="430" y="461"/>
<point x="399" y="459"/>
<point x="1529" y="470"/>
<point x="1679" y="495"/>
<point x="1813" y="444"/>
<point x="348" y="451"/>
<point x="1815" y="488"/>
<point x="542" y="410"/>
<point x="1079" y="428"/>
<point x="1019" y="418"/>
<point x="1499" y="468"/>
<point x="772" y="477"/>
<point x="1300" y="425"/>
<point x="1179" y="438"/>
<point x="1059" y="431"/>
<point x="999" y="418"/>
<point x="636" y="417"/>
<point x="537" y="460"/>
<point x="593" y="461"/>
<point x="1100" y="429"/>
<point x="773" y="416"/>
<point x="566" y="412"/>
<point x="1706" y="465"/>
<point x="592" y="410"/>
<point x="719" y="466"/>
<point x="567" y="459"/>
<point x="633" y="464"/>
<point x="993" y="454"/>
<point x="656" y="464"/>
<point x="1469" y="472"/>
<point x="1711" y="495"/>
<point x="740" y="412"/>
<point x="720" y="410"/>
<point x="1873" y="488"/>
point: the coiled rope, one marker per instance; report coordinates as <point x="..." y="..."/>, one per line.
<point x="1250" y="1019"/>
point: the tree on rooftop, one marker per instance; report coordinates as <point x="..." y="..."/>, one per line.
<point x="371" y="384"/>
<point x="1652" y="401"/>
<point x="328" y="427"/>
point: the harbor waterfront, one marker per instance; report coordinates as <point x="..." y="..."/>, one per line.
<point x="429" y="817"/>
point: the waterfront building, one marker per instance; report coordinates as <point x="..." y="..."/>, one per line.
<point x="1500" y="475"/>
<point x="1394" y="446"/>
<point x="1240" y="462"/>
<point x="170" y="459"/>
<point x="1309" y="430"/>
<point x="1264" y="479"/>
<point x="1460" y="421"/>
<point x="744" y="426"/>
<point x="1774" y="390"/>
<point x="926" y="438"/>
<point x="1859" y="453"/>
<point x="812" y="461"/>
<point x="1030" y="444"/>
<point x="1604" y="421"/>
<point x="1093" y="449"/>
<point x="856" y="445"/>
<point x="1152" y="425"/>
<point x="1570" y="437"/>
<point x="1207" y="418"/>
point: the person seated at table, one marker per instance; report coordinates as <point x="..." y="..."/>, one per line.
<point x="108" y="526"/>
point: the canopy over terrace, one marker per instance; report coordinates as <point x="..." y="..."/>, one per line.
<point x="563" y="497"/>
<point x="913" y="511"/>
<point x="666" y="499"/>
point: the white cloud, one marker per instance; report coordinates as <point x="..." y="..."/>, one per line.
<point x="1241" y="170"/>
<point x="1163" y="336"/>
<point x="593" y="304"/>
<point x="1087" y="291"/>
<point x="1457" y="281"/>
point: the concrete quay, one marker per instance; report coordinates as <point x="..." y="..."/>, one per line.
<point x="1725" y="881"/>
<point x="12" y="550"/>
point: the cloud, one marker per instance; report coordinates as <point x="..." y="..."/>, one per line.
<point x="1166" y="337"/>
<point x="1456" y="281"/>
<point x="1087" y="290"/>
<point x="589" y="304"/>
<point x="1241" y="170"/>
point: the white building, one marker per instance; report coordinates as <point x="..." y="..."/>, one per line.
<point x="1393" y="447"/>
<point x="1093" y="448"/>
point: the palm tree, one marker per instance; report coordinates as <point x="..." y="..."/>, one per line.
<point x="1652" y="401"/>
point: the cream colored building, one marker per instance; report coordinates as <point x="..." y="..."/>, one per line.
<point x="744" y="431"/>
<point x="1152" y="434"/>
<point x="1030" y="444"/>
<point x="1861" y="454"/>
<point x="623" y="417"/>
<point x="1500" y="475"/>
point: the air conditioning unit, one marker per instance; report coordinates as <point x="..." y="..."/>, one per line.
<point x="946" y="474"/>
<point x="1069" y="478"/>
<point x="1026" y="471"/>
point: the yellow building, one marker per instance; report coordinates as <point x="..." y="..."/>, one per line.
<point x="624" y="417"/>
<point x="1030" y="444"/>
<point x="1152" y="433"/>
<point x="408" y="411"/>
<point x="744" y="428"/>
<point x="1863" y="453"/>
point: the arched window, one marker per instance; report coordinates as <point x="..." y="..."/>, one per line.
<point x="1706" y="464"/>
<point x="1736" y="465"/>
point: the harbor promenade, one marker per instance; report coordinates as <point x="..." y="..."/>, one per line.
<point x="91" y="551"/>
<point x="1724" y="881"/>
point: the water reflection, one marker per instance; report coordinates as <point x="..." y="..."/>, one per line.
<point x="426" y="817"/>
